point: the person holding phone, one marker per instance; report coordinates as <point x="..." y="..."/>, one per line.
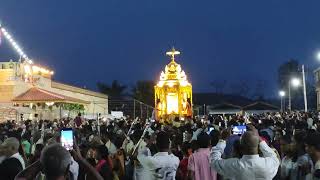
<point x="250" y="165"/>
<point x="55" y="162"/>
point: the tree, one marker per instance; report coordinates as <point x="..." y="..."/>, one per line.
<point x="76" y="108"/>
<point x="115" y="90"/>
<point x="143" y="91"/>
<point x="286" y="71"/>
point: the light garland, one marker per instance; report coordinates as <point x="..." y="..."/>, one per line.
<point x="14" y="44"/>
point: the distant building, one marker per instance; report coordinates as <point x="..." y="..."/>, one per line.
<point x="27" y="91"/>
<point x="217" y="103"/>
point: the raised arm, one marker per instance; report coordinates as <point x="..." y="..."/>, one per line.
<point x="94" y="174"/>
<point x="272" y="161"/>
<point x="224" y="167"/>
<point x="145" y="159"/>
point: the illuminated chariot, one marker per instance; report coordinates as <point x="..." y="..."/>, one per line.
<point x="173" y="92"/>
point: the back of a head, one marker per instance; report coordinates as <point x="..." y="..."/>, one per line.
<point x="203" y="140"/>
<point x="12" y="143"/>
<point x="300" y="137"/>
<point x="163" y="140"/>
<point x="103" y="151"/>
<point x="249" y="143"/>
<point x="313" y="140"/>
<point x="55" y="161"/>
<point x="215" y="135"/>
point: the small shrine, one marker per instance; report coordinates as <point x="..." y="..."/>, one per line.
<point x="173" y="92"/>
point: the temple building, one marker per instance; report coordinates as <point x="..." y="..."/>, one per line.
<point x="173" y="92"/>
<point x="27" y="91"/>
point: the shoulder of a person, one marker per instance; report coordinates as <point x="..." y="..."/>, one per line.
<point x="12" y="161"/>
<point x="174" y="157"/>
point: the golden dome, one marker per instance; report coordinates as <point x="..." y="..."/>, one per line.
<point x="173" y="70"/>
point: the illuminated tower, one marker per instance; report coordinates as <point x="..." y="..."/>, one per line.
<point x="173" y="92"/>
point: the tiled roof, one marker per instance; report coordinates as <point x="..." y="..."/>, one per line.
<point x="39" y="95"/>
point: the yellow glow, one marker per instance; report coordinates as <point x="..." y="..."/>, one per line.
<point x="170" y="84"/>
<point x="27" y="69"/>
<point x="49" y="103"/>
<point x="172" y="103"/>
<point x="38" y="69"/>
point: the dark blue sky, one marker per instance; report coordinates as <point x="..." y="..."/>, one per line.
<point x="100" y="40"/>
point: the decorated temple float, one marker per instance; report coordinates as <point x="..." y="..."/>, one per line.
<point x="173" y="92"/>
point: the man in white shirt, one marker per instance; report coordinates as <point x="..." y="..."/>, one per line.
<point x="309" y="122"/>
<point x="12" y="146"/>
<point x="162" y="165"/>
<point x="13" y="163"/>
<point x="250" y="166"/>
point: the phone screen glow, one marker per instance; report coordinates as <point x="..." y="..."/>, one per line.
<point x="67" y="139"/>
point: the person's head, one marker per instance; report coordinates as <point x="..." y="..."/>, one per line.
<point x="102" y="152"/>
<point x="298" y="141"/>
<point x="11" y="146"/>
<point x="56" y="161"/>
<point x="163" y="141"/>
<point x="286" y="145"/>
<point x="38" y="149"/>
<point x="186" y="149"/>
<point x="236" y="149"/>
<point x="203" y="140"/>
<point x="313" y="145"/>
<point x="249" y="143"/>
<point x="215" y="135"/>
<point x="79" y="114"/>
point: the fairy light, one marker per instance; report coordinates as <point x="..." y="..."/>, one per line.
<point x="14" y="44"/>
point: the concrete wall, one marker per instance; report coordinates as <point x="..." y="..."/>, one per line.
<point x="98" y="102"/>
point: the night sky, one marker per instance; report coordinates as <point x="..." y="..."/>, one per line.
<point x="100" y="40"/>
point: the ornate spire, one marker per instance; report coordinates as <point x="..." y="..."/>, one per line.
<point x="172" y="53"/>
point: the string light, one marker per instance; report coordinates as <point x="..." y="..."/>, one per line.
<point x="14" y="44"/>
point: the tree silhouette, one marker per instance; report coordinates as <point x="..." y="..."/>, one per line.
<point x="287" y="71"/>
<point x="113" y="90"/>
<point x="143" y="91"/>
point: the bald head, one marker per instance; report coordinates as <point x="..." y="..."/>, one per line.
<point x="249" y="143"/>
<point x="55" y="160"/>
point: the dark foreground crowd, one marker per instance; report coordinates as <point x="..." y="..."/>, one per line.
<point x="275" y="146"/>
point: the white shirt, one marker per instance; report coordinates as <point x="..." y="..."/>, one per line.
<point x="128" y="147"/>
<point x="196" y="133"/>
<point x="111" y="148"/>
<point x="286" y="167"/>
<point x="160" y="166"/>
<point x="310" y="122"/>
<point x="74" y="168"/>
<point x="18" y="156"/>
<point x="248" y="167"/>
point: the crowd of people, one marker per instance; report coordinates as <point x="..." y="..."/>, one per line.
<point x="284" y="146"/>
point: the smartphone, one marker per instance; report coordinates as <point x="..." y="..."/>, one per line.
<point x="239" y="129"/>
<point x="66" y="138"/>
